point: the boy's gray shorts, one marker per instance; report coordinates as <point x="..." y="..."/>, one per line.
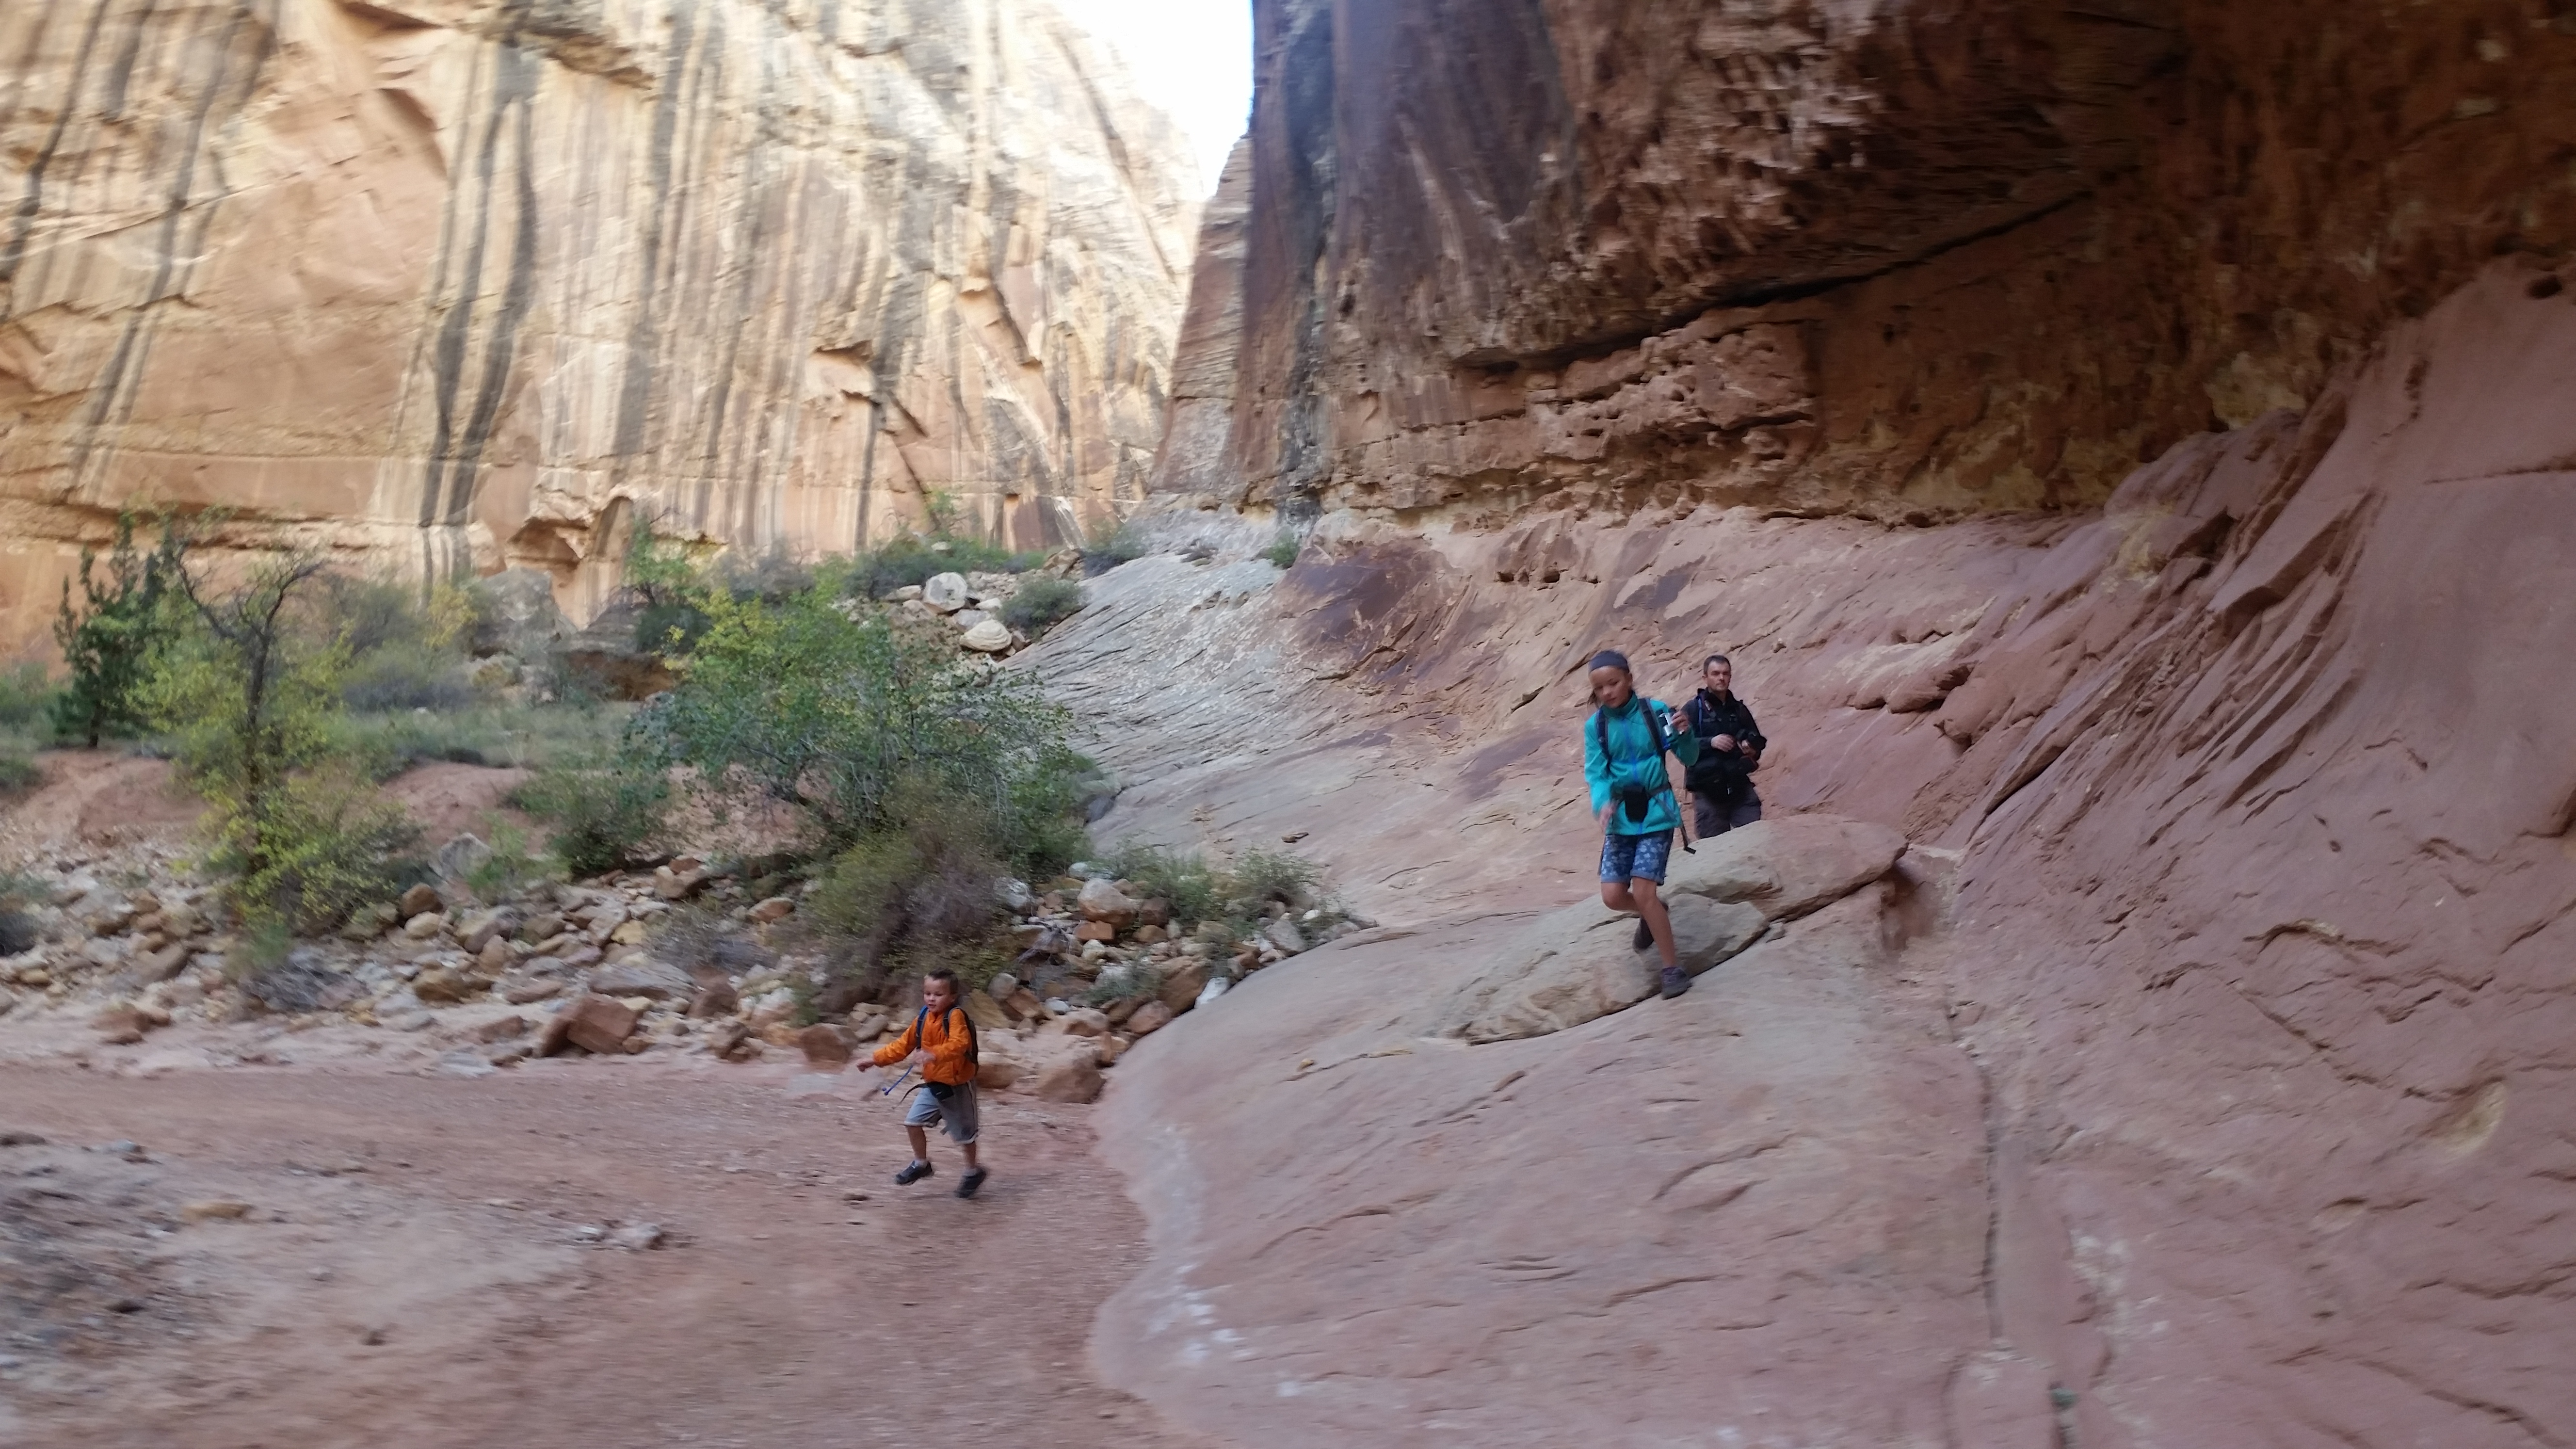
<point x="956" y="1116"/>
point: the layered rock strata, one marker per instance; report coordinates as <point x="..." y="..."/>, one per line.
<point x="454" y="284"/>
<point x="2239" y="889"/>
<point x="1905" y="259"/>
<point x="2123" y="448"/>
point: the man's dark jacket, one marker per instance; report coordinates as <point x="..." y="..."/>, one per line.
<point x="1725" y="778"/>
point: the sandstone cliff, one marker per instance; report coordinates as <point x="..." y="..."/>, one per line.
<point x="1902" y="258"/>
<point x="475" y="283"/>
<point x="2198" y="1075"/>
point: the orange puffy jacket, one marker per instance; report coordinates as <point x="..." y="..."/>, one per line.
<point x="947" y="1039"/>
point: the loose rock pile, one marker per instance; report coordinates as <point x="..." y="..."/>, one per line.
<point x="965" y="605"/>
<point x="1101" y="966"/>
<point x="128" y="944"/>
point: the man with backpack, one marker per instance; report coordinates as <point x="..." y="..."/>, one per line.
<point x="940" y="1041"/>
<point x="1624" y="744"/>
<point x="1730" y="750"/>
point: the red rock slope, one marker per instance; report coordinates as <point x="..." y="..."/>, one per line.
<point x="2199" y="1074"/>
<point x="2199" y="1077"/>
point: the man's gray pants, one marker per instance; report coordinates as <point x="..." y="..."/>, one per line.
<point x="1715" y="819"/>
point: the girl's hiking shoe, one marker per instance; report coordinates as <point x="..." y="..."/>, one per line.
<point x="973" y="1179"/>
<point x="1676" y="981"/>
<point x="1645" y="935"/>
<point x="910" y="1175"/>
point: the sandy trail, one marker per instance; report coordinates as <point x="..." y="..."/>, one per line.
<point x="409" y="1275"/>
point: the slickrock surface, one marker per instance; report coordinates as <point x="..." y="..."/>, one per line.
<point x="479" y="281"/>
<point x="1888" y="256"/>
<point x="2222" y="994"/>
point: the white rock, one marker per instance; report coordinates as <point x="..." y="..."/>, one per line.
<point x="989" y="637"/>
<point x="968" y="618"/>
<point x="1102" y="900"/>
<point x="1216" y="987"/>
<point x="635" y="1237"/>
<point x="945" y="592"/>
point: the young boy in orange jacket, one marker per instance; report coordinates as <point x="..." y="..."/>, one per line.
<point x="941" y="1041"/>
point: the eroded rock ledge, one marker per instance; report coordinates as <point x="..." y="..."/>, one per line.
<point x="1907" y="260"/>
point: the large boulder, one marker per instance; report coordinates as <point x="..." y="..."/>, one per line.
<point x="518" y="614"/>
<point x="591" y="1022"/>
<point x="1102" y="900"/>
<point x="1788" y="866"/>
<point x="444" y="986"/>
<point x="461" y="856"/>
<point x="1182" y="982"/>
<point x="945" y="592"/>
<point x="1069" y="1079"/>
<point x="1579" y="963"/>
<point x="826" y="1047"/>
<point x="650" y="979"/>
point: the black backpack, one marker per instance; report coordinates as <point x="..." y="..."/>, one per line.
<point x="921" y="1039"/>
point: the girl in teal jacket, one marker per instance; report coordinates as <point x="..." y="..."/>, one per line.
<point x="1624" y="744"/>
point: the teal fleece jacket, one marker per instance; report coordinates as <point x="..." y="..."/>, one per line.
<point x="1638" y="762"/>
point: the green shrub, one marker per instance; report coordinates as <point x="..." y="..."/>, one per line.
<point x="669" y="629"/>
<point x="1041" y="602"/>
<point x="522" y="737"/>
<point x="510" y="868"/>
<point x="1283" y="550"/>
<point x="26" y="696"/>
<point x="1113" y="543"/>
<point x="1265" y="875"/>
<point x="407" y="676"/>
<point x="252" y="697"/>
<point x="796" y="704"/>
<point x="605" y="814"/>
<point x="1235" y="896"/>
<point x="919" y="892"/>
<point x="18" y="775"/>
<point x="407" y="648"/>
<point x="19" y="895"/>
<point x="1181" y="879"/>
<point x="334" y="845"/>
<point x="110" y="645"/>
<point x="772" y="576"/>
<point x="910" y="561"/>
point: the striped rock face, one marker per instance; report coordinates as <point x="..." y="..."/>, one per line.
<point x="482" y="283"/>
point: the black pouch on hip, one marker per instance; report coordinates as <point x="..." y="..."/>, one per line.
<point x="942" y="1090"/>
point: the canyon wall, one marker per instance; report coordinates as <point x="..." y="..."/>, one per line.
<point x="1902" y="258"/>
<point x="469" y="284"/>
<point x="2124" y="446"/>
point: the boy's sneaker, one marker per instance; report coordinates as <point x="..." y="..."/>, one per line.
<point x="1676" y="981"/>
<point x="1644" y="937"/>
<point x="973" y="1179"/>
<point x="910" y="1175"/>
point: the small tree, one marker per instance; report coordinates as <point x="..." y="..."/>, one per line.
<point x="256" y="707"/>
<point x="797" y="704"/>
<point x="666" y="581"/>
<point x="109" y="644"/>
